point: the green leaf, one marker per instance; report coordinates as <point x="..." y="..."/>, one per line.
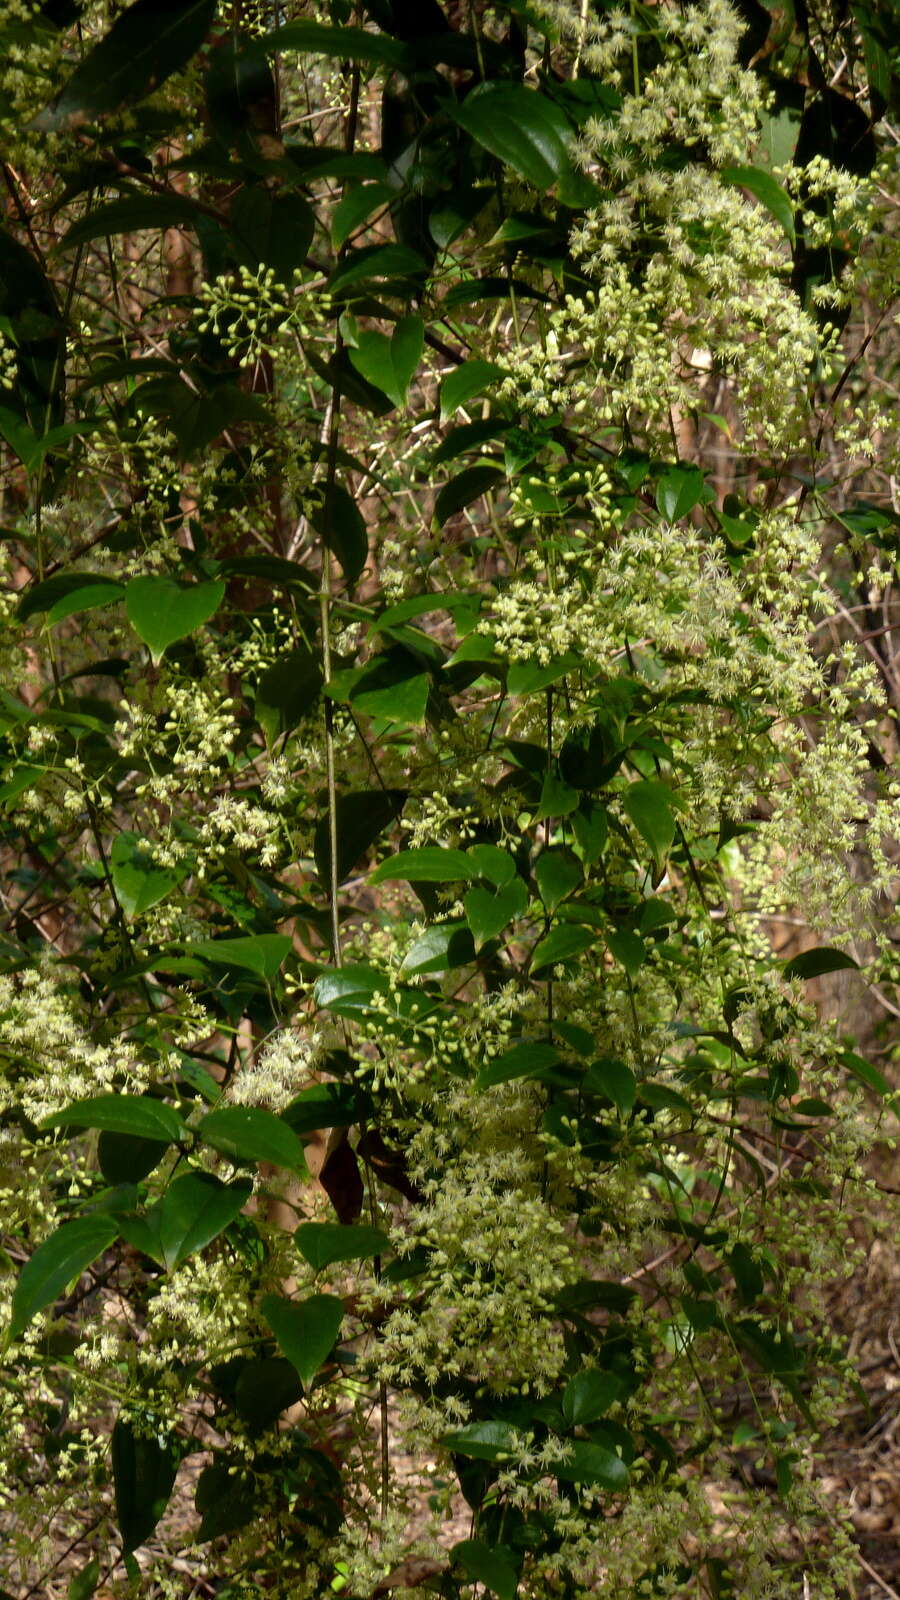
<point x="469" y="380"/>
<point x="561" y="944"/>
<point x="392" y="685"/>
<point x="767" y="191"/>
<point x="489" y="1566"/>
<point x="521" y="127"/>
<point x="483" y="1441"/>
<point x="593" y="1464"/>
<point x="249" y="1134"/>
<point x="226" y="1501"/>
<point x="322" y="1243"/>
<point x="489" y="913"/>
<point x="428" y="864"/>
<point x="89" y="597"/>
<point x="161" y="610"/>
<point x="194" y="1210"/>
<point x="305" y="1330"/>
<point x="272" y="229"/>
<point x="615" y="1080"/>
<point x="126" y="1158"/>
<point x="376" y="264"/>
<point x="137" y="1114"/>
<point x="262" y="953"/>
<point x="679" y="490"/>
<point x="131" y="214"/>
<point x="83" y="1583"/>
<point x="816" y="962"/>
<point x="558" y="798"/>
<point x="341" y="525"/>
<point x="525" y="1060"/>
<point x="287" y="691"/>
<point x="55" y="1263"/>
<point x="356" y="205"/>
<point x="493" y="863"/>
<point x="865" y="1072"/>
<point x="467" y="486"/>
<point x="337" y="44"/>
<point x="137" y="879"/>
<point x="629" y="949"/>
<point x="591" y="829"/>
<point x="144" y="46"/>
<point x="324" y="1105"/>
<point x="390" y="363"/>
<point x="144" y="1470"/>
<point x="440" y="948"/>
<point x="589" y="1395"/>
<point x="349" y="990"/>
<point x="649" y="806"/>
<point x="558" y="873"/>
<point x="361" y="819"/>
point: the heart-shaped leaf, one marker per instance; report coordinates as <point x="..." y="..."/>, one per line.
<point x="161" y="610"/>
<point x="305" y="1329"/>
<point x="488" y="913"/>
<point x="321" y="1243"/>
<point x="138" y="880"/>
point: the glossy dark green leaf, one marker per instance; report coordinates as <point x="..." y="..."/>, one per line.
<point x="482" y="1441"/>
<point x="145" y="1465"/>
<point x="262" y="953"/>
<point x="589" y="1395"/>
<point x="131" y="214"/>
<point x="678" y="491"/>
<point x="489" y="911"/>
<point x="161" y="610"/>
<point x="558" y="873"/>
<point x="493" y="863"/>
<point x="144" y="46"/>
<point x="465" y="383"/>
<point x="816" y="962"/>
<point x="487" y="1565"/>
<point x="194" y="1210"/>
<point x="55" y="1264"/>
<point x="590" y="826"/>
<point x="378" y="264"/>
<point x="629" y="950"/>
<point x="355" y="207"/>
<point x="649" y="806"/>
<point x="525" y="1060"/>
<point x="467" y="486"/>
<point x="349" y="990"/>
<point x="272" y="229"/>
<point x="305" y="1330"/>
<point x="225" y="1500"/>
<point x="137" y="879"/>
<point x="324" y="1105"/>
<point x="137" y="1114"/>
<point x="336" y="44"/>
<point x="595" y="1466"/>
<point x="615" y="1080"/>
<point x="249" y="1134"/>
<point x="287" y="691"/>
<point x="323" y="1243"/>
<point x="39" y="598"/>
<point x="865" y="1072"/>
<point x="361" y="819"/>
<point x="391" y="362"/>
<point x="127" y="1158"/>
<point x="427" y="864"/>
<point x="440" y="948"/>
<point x="340" y="522"/>
<point x="768" y="191"/>
<point x="561" y="944"/>
<point x="521" y="127"/>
